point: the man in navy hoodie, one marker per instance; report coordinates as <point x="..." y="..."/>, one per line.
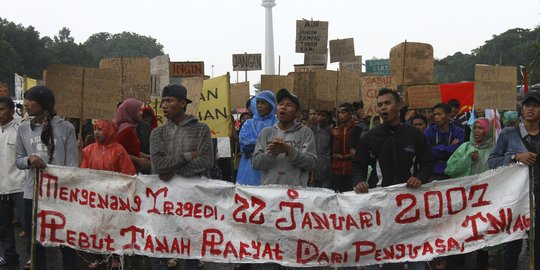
<point x="444" y="138"/>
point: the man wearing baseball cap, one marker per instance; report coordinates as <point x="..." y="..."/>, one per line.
<point x="521" y="143"/>
<point x="285" y="152"/>
<point x="183" y="146"/>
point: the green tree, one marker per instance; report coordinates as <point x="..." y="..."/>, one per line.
<point x="512" y="48"/>
<point x="125" y="44"/>
<point x="21" y="51"/>
<point x="66" y="51"/>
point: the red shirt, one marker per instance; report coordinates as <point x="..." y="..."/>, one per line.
<point x="129" y="140"/>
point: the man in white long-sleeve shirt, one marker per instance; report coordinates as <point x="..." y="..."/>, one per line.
<point x="11" y="181"/>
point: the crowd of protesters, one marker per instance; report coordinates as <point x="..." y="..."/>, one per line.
<point x="277" y="141"/>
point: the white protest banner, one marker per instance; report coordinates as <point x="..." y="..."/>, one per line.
<point x="212" y="220"/>
<point x="311" y="36"/>
<point x="246" y="62"/>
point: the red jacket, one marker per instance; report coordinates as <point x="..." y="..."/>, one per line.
<point x="342" y="147"/>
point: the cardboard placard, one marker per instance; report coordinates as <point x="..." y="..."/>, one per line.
<point x="102" y="92"/>
<point x="308" y="68"/>
<point x="247" y="62"/>
<point x="495" y="87"/>
<point x="277" y="82"/>
<point x="135" y="72"/>
<point x="159" y="71"/>
<point x="304" y="88"/>
<point x="67" y="84"/>
<point x="311" y="36"/>
<point x="186" y="69"/>
<point x="422" y="96"/>
<point x="355" y="65"/>
<point x="4" y="90"/>
<point x="326" y="85"/>
<point x="370" y="86"/>
<point x="194" y="87"/>
<point x="411" y="63"/>
<point x="342" y="50"/>
<point x="316" y="59"/>
<point x="239" y="95"/>
<point x="348" y="86"/>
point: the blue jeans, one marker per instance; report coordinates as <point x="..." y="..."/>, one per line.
<point x="8" y="203"/>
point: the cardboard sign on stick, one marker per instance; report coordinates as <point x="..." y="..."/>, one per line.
<point x="495" y="87"/>
<point x="67" y="83"/>
<point x="325" y="85"/>
<point x="247" y="62"/>
<point x="411" y="63"/>
<point x="311" y="36"/>
<point x="102" y="92"/>
<point x="370" y="88"/>
<point x="277" y="82"/>
<point x="355" y="65"/>
<point x="239" y="95"/>
<point x="342" y="50"/>
<point x="348" y="86"/>
<point x="135" y="74"/>
<point x="423" y="96"/>
<point x="194" y="88"/>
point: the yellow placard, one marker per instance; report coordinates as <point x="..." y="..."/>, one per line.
<point x="215" y="106"/>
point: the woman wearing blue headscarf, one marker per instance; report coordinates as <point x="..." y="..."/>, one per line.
<point x="263" y="107"/>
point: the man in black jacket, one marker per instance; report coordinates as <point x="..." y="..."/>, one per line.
<point x="398" y="148"/>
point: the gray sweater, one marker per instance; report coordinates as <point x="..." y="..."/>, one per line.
<point x="171" y="146"/>
<point x="292" y="169"/>
<point x="29" y="143"/>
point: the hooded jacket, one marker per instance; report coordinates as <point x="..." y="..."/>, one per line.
<point x="441" y="144"/>
<point x="401" y="151"/>
<point x="292" y="169"/>
<point x="171" y="145"/>
<point x="11" y="178"/>
<point x="109" y="155"/>
<point x="460" y="163"/>
<point x="249" y="132"/>
<point x="29" y="143"/>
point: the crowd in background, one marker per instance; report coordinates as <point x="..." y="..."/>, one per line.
<point x="276" y="141"/>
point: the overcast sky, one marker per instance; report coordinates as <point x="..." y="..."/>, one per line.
<point x="213" y="30"/>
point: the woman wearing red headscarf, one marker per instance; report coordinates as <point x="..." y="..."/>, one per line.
<point x="128" y="115"/>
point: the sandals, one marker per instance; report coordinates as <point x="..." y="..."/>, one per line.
<point x="172" y="263"/>
<point x="95" y="265"/>
<point x="28" y="265"/>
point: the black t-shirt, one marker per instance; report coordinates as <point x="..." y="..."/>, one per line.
<point x="535" y="142"/>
